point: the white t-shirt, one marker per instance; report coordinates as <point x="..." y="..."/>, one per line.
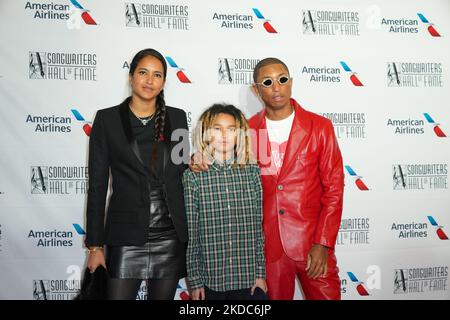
<point x="279" y="131"/>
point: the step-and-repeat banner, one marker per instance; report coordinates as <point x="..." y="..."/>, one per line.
<point x="378" y="69"/>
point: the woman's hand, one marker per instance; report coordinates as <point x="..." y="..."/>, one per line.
<point x="95" y="259"/>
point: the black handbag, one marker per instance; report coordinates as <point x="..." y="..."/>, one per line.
<point x="93" y="286"/>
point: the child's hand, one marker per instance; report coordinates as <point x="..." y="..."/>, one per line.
<point x="260" y="283"/>
<point x="198" y="294"/>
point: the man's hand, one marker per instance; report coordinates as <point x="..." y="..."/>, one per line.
<point x="199" y="162"/>
<point x="316" y="264"/>
<point x="259" y="283"/>
<point x="198" y="294"/>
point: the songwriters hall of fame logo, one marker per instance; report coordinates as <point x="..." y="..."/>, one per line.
<point x="354" y="231"/>
<point x="415" y="74"/>
<point x="62" y="66"/>
<point x="420" y="280"/>
<point x="236" y="70"/>
<point x="348" y="125"/>
<point x="330" y="23"/>
<point x="55" y="289"/>
<point x="157" y="16"/>
<point x="420" y="176"/>
<point x="62" y="180"/>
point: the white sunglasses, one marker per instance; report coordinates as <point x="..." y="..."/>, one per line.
<point x="268" y="82"/>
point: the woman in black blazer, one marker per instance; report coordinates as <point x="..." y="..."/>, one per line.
<point x="144" y="235"/>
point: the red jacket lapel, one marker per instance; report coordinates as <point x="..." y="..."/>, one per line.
<point x="300" y="132"/>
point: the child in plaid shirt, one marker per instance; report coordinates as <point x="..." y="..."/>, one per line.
<point x="225" y="254"/>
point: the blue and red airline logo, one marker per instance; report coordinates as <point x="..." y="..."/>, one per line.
<point x="184" y="295"/>
<point x="180" y="74"/>
<point x="86" y="124"/>
<point x="359" y="284"/>
<point x="441" y="234"/>
<point x="437" y="130"/>
<point x="87" y="18"/>
<point x="266" y="24"/>
<point x="355" y="80"/>
<point x="431" y="29"/>
<point x="358" y="179"/>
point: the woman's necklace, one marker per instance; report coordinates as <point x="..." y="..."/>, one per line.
<point x="143" y="120"/>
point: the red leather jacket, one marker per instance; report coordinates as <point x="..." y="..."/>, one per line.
<point x="303" y="203"/>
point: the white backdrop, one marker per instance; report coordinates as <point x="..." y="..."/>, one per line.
<point x="59" y="56"/>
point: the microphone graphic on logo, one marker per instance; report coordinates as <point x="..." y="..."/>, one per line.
<point x="399" y="281"/>
<point x="135" y="14"/>
<point x="227" y="67"/>
<point x="41" y="179"/>
<point x="396" y="73"/>
<point x="431" y="29"/>
<point x="180" y="74"/>
<point x="311" y="21"/>
<point x="36" y="67"/>
<point x="353" y="77"/>
<point x="402" y="177"/>
<point x="85" y="15"/>
<point x="266" y="23"/>
<point x="132" y="15"/>
<point x="402" y="275"/>
<point x="37" y="180"/>
<point x="39" y="289"/>
<point x="38" y="56"/>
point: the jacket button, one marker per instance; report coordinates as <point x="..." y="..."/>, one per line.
<point x="280" y="187"/>
<point x="281" y="211"/>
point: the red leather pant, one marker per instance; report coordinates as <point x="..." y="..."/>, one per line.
<point x="280" y="277"/>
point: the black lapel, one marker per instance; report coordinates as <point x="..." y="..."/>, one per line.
<point x="165" y="157"/>
<point x="167" y="141"/>
<point x="125" y="117"/>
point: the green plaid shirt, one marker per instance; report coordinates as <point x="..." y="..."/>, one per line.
<point x="224" y="214"/>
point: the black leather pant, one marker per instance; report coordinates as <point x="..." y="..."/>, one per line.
<point x="127" y="289"/>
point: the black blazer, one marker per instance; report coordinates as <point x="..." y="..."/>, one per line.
<point x="113" y="147"/>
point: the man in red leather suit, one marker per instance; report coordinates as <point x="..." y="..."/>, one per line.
<point x="303" y="183"/>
